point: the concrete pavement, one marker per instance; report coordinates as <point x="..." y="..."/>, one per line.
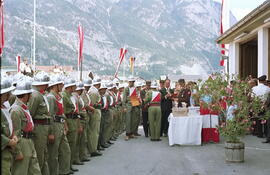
<point x="142" y="157"/>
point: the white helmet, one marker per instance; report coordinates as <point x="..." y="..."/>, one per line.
<point x="154" y="85"/>
<point x="69" y="82"/>
<point x="87" y="82"/>
<point x="131" y="78"/>
<point x="103" y="86"/>
<point x="115" y="81"/>
<point x="56" y="79"/>
<point x="6" y="85"/>
<point x="121" y="86"/>
<point x="97" y="80"/>
<point x="17" y="77"/>
<point x="23" y="87"/>
<point x="79" y="86"/>
<point x="41" y="78"/>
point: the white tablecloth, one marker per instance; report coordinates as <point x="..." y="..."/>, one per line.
<point x="185" y="130"/>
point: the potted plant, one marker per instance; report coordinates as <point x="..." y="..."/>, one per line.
<point x="235" y="103"/>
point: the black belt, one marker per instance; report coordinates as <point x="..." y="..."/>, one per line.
<point x="27" y="135"/>
<point x="154" y="104"/>
<point x="45" y="121"/>
<point x="97" y="106"/>
<point x="104" y="110"/>
<point x="59" y="119"/>
<point x="72" y="116"/>
<point x="81" y="117"/>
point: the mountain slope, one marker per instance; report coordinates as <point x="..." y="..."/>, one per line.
<point x="161" y="34"/>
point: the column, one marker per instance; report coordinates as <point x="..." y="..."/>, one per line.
<point x="262" y="52"/>
<point x="234" y="58"/>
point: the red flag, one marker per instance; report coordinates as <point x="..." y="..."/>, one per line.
<point x="2" y="39"/>
<point x="221" y="32"/>
<point x="221" y="63"/>
<point x="18" y="59"/>
<point x="81" y="38"/>
<point x="123" y="52"/>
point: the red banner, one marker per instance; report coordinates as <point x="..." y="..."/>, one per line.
<point x="123" y="52"/>
<point x="80" y="50"/>
<point x="2" y="36"/>
<point x="18" y="59"/>
<point x="221" y="32"/>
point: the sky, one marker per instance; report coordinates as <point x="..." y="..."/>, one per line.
<point x="241" y="8"/>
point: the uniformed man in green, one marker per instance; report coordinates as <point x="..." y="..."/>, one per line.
<point x="131" y="105"/>
<point x="81" y="154"/>
<point x="104" y="113"/>
<point x="153" y="99"/>
<point x="39" y="109"/>
<point x="145" y="108"/>
<point x="110" y="119"/>
<point x="117" y="129"/>
<point x="59" y="150"/>
<point x="121" y="109"/>
<point x="71" y="112"/>
<point x="95" y="120"/>
<point x="8" y="139"/>
<point x="91" y="141"/>
<point x="26" y="162"/>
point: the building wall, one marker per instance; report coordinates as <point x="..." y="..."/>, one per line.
<point x="269" y="54"/>
<point x="263" y="65"/>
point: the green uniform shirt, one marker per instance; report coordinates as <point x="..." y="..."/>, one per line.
<point x="37" y="106"/>
<point x="86" y="98"/>
<point x="52" y="100"/>
<point x="126" y="97"/>
<point x="5" y="131"/>
<point x="18" y="119"/>
<point x="68" y="105"/>
<point x="95" y="97"/>
<point x="148" y="96"/>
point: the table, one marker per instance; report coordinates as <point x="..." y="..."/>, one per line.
<point x="193" y="129"/>
<point x="185" y="130"/>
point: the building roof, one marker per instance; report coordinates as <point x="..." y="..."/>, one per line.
<point x="250" y="22"/>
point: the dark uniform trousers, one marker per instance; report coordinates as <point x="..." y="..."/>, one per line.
<point x="145" y="123"/>
<point x="164" y="121"/>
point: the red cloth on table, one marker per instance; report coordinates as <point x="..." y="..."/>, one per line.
<point x="210" y="134"/>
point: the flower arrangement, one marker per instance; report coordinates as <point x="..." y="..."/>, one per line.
<point x="234" y="101"/>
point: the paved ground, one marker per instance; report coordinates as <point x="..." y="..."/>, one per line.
<point x="142" y="157"/>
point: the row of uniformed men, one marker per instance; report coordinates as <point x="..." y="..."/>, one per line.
<point x="46" y="130"/>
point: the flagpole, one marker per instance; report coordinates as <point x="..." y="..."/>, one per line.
<point x="81" y="69"/>
<point x="2" y="17"/>
<point x="34" y="39"/>
<point x="133" y="66"/>
<point x="78" y="59"/>
<point x="124" y="67"/>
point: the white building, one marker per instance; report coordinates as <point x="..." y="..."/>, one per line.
<point x="249" y="43"/>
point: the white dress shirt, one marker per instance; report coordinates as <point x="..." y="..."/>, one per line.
<point x="261" y="91"/>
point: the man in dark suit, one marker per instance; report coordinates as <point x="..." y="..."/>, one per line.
<point x="184" y="94"/>
<point x="166" y="106"/>
<point x="145" y="108"/>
